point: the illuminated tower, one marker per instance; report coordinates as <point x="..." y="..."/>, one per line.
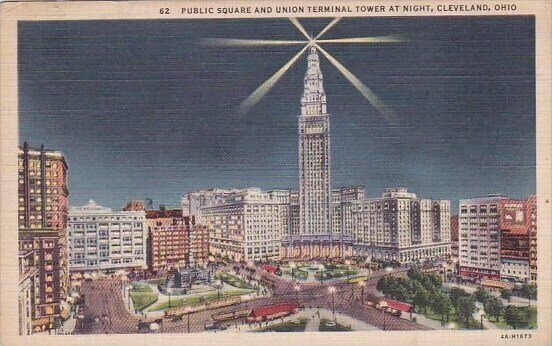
<point x="314" y="164"/>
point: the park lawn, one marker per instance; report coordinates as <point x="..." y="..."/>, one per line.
<point x="156" y="281"/>
<point x="473" y="324"/>
<point x="286" y="327"/>
<point x="301" y="273"/>
<point x="233" y="280"/>
<point x="337" y="328"/>
<point x="532" y="320"/>
<point x="195" y="300"/>
<point x="140" y="287"/>
<point x="335" y="273"/>
<point x="142" y="296"/>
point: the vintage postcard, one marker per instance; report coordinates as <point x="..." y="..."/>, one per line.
<point x="281" y="172"/>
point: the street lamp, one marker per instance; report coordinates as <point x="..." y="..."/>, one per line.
<point x="388" y="271"/>
<point x="383" y="305"/>
<point x="332" y="290"/>
<point x="219" y="287"/>
<point x="292" y="266"/>
<point x="347" y="263"/>
<point x="482" y="315"/>
<point x="362" y="284"/>
<point x="297" y="288"/>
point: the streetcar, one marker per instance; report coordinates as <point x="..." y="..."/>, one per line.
<point x="271" y="312"/>
<point x="230" y="315"/>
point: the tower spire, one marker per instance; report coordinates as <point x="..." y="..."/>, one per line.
<point x="313" y="101"/>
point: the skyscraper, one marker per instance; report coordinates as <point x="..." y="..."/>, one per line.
<point x="315" y="196"/>
<point x="42" y="189"/>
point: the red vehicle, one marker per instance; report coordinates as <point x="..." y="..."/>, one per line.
<point x="270" y="312"/>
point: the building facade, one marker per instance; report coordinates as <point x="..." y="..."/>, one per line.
<point x="199" y="245"/>
<point x="101" y="239"/>
<point x="168" y="240"/>
<point x="514" y="240"/>
<point x="42" y="216"/>
<point x="29" y="286"/>
<point x="531" y="210"/>
<point x="243" y="224"/>
<point x="496" y="239"/>
<point x="479" y="233"/>
<point x="454" y="249"/>
<point x="401" y="227"/>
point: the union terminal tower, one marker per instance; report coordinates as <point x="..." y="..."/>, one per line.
<point x="316" y="237"/>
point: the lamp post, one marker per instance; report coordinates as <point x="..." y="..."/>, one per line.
<point x="481" y="325"/>
<point x="292" y="266"/>
<point x="347" y="263"/>
<point x="362" y="284"/>
<point x="297" y="288"/>
<point x="383" y="304"/>
<point x="219" y="287"/>
<point x="388" y="271"/>
<point x="332" y="290"/>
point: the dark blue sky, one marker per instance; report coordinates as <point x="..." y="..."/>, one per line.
<point x="142" y="109"/>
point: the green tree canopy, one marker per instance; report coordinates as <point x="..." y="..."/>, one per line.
<point x="494" y="307"/>
<point x="465" y="309"/>
<point x="515" y="317"/>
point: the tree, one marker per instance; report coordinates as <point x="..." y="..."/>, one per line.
<point x="481" y="295"/>
<point x="383" y="284"/>
<point x="442" y="305"/>
<point x="494" y="307"/>
<point x="421" y="297"/>
<point x="506" y="294"/>
<point x="414" y="274"/>
<point x="465" y="309"/>
<point x="436" y="280"/>
<point x="515" y="317"/>
<point x="529" y="291"/>
<point x="455" y="295"/>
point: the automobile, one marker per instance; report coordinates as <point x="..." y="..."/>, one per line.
<point x="330" y="324"/>
<point x="211" y="326"/>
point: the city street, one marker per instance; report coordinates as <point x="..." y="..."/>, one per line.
<point x="105" y="310"/>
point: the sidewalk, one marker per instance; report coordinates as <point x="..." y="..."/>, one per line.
<point x="312" y="325"/>
<point x="428" y="322"/>
<point x="477" y="315"/>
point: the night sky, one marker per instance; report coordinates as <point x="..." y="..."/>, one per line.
<point x="142" y="109"/>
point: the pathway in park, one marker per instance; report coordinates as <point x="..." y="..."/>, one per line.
<point x="428" y="322"/>
<point x="477" y="315"/>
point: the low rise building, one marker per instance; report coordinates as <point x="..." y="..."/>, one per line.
<point x="101" y="239"/>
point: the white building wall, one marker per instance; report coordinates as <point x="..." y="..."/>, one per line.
<point x="100" y="239"/>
